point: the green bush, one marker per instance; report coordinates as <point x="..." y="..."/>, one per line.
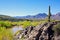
<point x="26" y="24"/>
<point x="56" y="28"/>
<point x="34" y="23"/>
<point x="6" y="24"/>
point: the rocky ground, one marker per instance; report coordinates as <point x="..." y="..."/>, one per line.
<point x="40" y="32"/>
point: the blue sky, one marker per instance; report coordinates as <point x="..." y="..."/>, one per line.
<point x="28" y="7"/>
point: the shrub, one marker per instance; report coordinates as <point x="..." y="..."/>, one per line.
<point x="26" y="24"/>
<point x="6" y="24"/>
<point x="56" y="28"/>
<point x="34" y="23"/>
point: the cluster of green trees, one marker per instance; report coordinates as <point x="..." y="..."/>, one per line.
<point x="9" y="24"/>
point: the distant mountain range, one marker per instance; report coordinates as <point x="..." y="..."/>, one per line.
<point x="9" y="18"/>
<point x="39" y="16"/>
<point x="56" y="16"/>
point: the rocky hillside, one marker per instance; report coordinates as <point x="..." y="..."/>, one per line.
<point x="41" y="32"/>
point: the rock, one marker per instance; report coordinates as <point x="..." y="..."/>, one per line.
<point x="40" y="32"/>
<point x="57" y="38"/>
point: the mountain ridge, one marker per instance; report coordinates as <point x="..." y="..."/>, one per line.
<point x="37" y="16"/>
<point x="40" y="16"/>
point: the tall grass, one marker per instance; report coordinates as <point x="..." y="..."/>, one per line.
<point x="5" y="34"/>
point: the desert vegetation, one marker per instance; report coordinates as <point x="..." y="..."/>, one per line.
<point x="5" y="27"/>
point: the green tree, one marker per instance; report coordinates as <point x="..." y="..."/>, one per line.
<point x="49" y="14"/>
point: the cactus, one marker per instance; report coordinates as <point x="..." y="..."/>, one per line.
<point x="49" y="14"/>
